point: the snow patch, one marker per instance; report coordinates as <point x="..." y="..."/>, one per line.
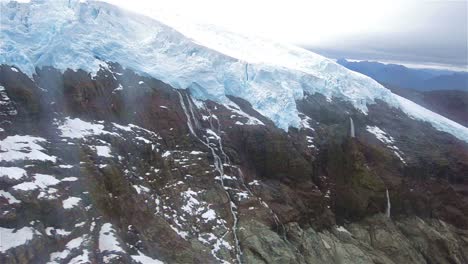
<point x="342" y="229"/>
<point x="143" y="259"/>
<point x="103" y="151"/>
<point x="11" y="238"/>
<point x="13" y="173"/>
<point x="141" y="189"/>
<point x="71" y="202"/>
<point x="209" y="215"/>
<point x="77" y="128"/>
<point x="23" y="148"/>
<point x="10" y="198"/>
<point x="387" y="140"/>
<point x="74" y="244"/>
<point x="107" y="239"/>
<point x="40" y="181"/>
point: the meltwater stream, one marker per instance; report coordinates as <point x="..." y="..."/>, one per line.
<point x="389" y="205"/>
<point x="221" y="160"/>
<point x="218" y="163"/>
<point x="241" y="175"/>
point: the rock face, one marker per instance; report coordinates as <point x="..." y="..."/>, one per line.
<point x="122" y="168"/>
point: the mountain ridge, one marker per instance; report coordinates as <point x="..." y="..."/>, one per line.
<point x="418" y="79"/>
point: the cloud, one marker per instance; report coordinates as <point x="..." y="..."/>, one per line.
<point x="437" y="33"/>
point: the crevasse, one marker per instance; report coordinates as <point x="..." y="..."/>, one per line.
<point x="211" y="62"/>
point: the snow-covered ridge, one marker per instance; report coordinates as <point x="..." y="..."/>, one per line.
<point x="211" y="62"/>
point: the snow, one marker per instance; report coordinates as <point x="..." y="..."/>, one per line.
<point x="209" y="215"/>
<point x="109" y="258"/>
<point x="50" y="231"/>
<point x="13" y="173"/>
<point x="40" y="181"/>
<point x="77" y="128"/>
<point x="387" y="140"/>
<point x="23" y="148"/>
<point x="254" y="182"/>
<point x="380" y="134"/>
<point x="43" y="180"/>
<point x="81" y="259"/>
<point x="103" y="151"/>
<point x="191" y="202"/>
<point x="166" y="154"/>
<point x="250" y="119"/>
<point x="124" y="128"/>
<point x="342" y="229"/>
<point x="143" y="259"/>
<point x="305" y="121"/>
<point x="73" y="244"/>
<point x="11" y="238"/>
<point x="71" y="202"/>
<point x="119" y="88"/>
<point x="141" y="189"/>
<point x="182" y="234"/>
<point x="69" y="179"/>
<point x="108" y="240"/>
<point x="10" y="198"/>
<point x="146" y="141"/>
<point x="211" y="62"/>
<point x="437" y="121"/>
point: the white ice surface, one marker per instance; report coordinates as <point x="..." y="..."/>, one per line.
<point x="211" y="62"/>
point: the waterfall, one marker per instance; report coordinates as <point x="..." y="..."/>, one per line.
<point x="388" y="204"/>
<point x="218" y="164"/>
<point x="352" y="134"/>
<point x="189" y="121"/>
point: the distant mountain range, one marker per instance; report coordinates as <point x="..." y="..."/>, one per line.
<point x="442" y="91"/>
<point x="418" y="79"/>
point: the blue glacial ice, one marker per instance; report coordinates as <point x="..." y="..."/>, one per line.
<point x="211" y="62"/>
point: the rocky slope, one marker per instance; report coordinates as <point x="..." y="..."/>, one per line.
<point x="122" y="168"/>
<point x="123" y="140"/>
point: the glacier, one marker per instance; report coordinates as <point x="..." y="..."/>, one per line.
<point x="211" y="62"/>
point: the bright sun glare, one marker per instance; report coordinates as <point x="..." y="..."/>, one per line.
<point x="294" y="21"/>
